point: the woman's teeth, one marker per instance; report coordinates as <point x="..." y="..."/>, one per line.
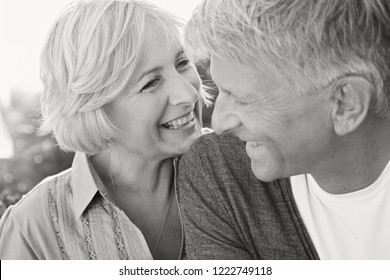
<point x="177" y="123"/>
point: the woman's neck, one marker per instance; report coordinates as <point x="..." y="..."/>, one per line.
<point x="143" y="189"/>
<point x="132" y="172"/>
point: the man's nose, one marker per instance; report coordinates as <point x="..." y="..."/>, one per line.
<point x="224" y="116"/>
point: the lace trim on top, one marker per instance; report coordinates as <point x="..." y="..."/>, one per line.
<point x="54" y="218"/>
<point x="118" y="238"/>
<point x="88" y="238"/>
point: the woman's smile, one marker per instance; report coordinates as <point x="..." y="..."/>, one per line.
<point x="180" y="122"/>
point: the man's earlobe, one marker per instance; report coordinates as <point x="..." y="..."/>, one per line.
<point x="352" y="96"/>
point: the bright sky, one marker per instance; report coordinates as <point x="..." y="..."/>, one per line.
<point x="23" y="27"/>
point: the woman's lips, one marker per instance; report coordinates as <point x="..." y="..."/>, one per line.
<point x="179" y="122"/>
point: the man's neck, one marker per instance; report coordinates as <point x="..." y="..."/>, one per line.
<point x="357" y="161"/>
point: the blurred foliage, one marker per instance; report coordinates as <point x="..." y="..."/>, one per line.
<point x="36" y="155"/>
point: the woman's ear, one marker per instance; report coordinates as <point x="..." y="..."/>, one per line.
<point x="351" y="96"/>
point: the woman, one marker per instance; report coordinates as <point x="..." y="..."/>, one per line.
<point x="121" y="93"/>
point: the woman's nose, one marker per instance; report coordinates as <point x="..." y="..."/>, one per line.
<point x="185" y="89"/>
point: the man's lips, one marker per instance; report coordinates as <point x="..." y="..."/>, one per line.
<point x="254" y="144"/>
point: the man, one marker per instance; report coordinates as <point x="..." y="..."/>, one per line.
<point x="304" y="93"/>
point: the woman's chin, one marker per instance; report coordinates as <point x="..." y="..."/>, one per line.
<point x="185" y="145"/>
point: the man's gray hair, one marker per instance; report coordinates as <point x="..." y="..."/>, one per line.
<point x="310" y="43"/>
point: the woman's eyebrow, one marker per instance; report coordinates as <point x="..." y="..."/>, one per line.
<point x="180" y="52"/>
<point x="154" y="69"/>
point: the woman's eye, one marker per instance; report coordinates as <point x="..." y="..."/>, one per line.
<point x="183" y="63"/>
<point x="150" y="85"/>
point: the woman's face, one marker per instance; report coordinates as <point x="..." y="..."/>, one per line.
<point x="159" y="116"/>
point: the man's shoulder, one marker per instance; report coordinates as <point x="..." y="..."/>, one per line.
<point x="214" y="146"/>
<point x="219" y="139"/>
<point x="219" y="158"/>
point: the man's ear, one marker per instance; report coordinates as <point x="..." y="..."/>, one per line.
<point x="351" y="96"/>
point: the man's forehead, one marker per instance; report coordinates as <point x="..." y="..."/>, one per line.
<point x="220" y="68"/>
<point x="230" y="75"/>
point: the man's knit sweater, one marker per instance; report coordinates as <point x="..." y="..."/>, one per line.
<point x="229" y="214"/>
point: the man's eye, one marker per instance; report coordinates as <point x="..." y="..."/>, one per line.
<point x="150" y="85"/>
<point x="240" y="103"/>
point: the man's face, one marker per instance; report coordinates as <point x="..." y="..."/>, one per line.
<point x="286" y="134"/>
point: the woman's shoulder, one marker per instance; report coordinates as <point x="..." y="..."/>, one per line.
<point x="26" y="228"/>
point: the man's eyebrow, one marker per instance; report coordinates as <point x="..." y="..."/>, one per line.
<point x="229" y="92"/>
<point x="224" y="90"/>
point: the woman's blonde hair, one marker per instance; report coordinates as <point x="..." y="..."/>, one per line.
<point x="90" y="54"/>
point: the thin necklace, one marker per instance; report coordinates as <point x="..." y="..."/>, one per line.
<point x="113" y="186"/>
<point x="163" y="223"/>
<point x="165" y="218"/>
